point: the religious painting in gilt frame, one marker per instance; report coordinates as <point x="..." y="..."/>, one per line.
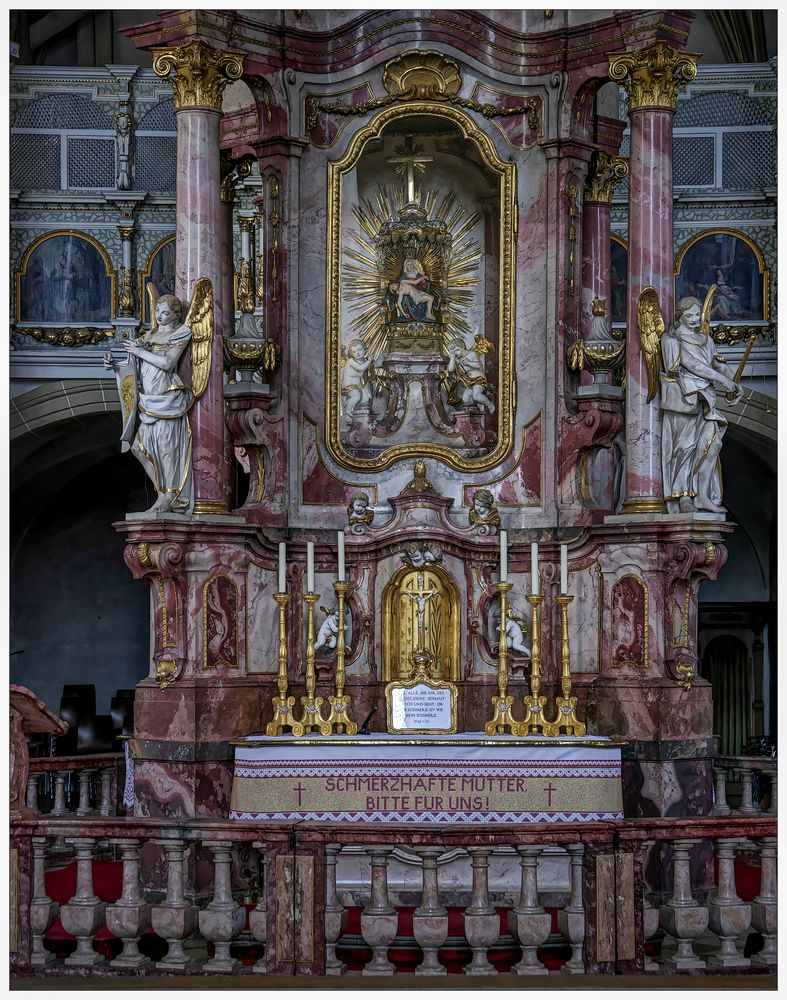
<point x="618" y="282"/>
<point x="66" y="277"/>
<point x="420" y="341"/>
<point x="159" y="269"/>
<point x="732" y="262"/>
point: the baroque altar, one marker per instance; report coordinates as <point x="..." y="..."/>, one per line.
<point x="450" y="483"/>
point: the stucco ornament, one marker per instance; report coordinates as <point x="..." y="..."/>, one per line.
<point x="693" y="428"/>
<point x="154" y="399"/>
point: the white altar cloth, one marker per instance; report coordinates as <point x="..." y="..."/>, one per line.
<point x="466" y="778"/>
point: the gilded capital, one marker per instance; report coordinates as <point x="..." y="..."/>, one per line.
<point x="653" y="76"/>
<point x="604" y="175"/>
<point x="200" y="73"/>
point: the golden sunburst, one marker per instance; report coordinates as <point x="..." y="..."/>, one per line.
<point x="373" y="263"/>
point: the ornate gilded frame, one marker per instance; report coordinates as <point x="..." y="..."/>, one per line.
<point x="417" y="681"/>
<point x="21" y="271"/>
<point x="758" y="256"/>
<point x="646" y="623"/>
<point x="508" y="230"/>
<point x="145" y="273"/>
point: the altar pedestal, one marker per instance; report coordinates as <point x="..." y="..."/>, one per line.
<point x="465" y="778"/>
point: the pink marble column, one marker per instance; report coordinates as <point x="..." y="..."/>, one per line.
<point x="596" y="251"/>
<point x="651" y="77"/>
<point x="200" y="75"/>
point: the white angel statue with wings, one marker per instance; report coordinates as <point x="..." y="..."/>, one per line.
<point x="156" y="401"/>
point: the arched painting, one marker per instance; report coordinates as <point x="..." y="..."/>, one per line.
<point x="65" y="278"/>
<point x="160" y="270"/>
<point x="618" y="282"/>
<point x="731" y="262"/>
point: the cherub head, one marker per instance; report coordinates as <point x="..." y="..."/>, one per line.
<point x="357" y="350"/>
<point x="483" y="501"/>
<point x="359" y="503"/>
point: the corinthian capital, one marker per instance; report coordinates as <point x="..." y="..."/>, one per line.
<point x="604" y="174"/>
<point x="200" y="73"/>
<point x="653" y="76"/>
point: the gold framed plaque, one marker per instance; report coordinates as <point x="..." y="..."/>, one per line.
<point x="421" y="705"/>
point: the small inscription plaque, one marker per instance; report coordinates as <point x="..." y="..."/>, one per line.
<point x="422" y="706"/>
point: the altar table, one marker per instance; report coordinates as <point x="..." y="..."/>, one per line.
<point x="468" y="778"/>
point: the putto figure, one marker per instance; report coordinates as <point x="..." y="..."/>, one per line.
<point x="358" y="509"/>
<point x="693" y="428"/>
<point x="357" y="371"/>
<point x="484" y="510"/>
<point x="155" y="400"/>
<point x="414" y="296"/>
<point x="464" y="377"/>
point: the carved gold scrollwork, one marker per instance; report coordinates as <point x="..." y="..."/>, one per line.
<point x="67" y="336"/>
<point x="200" y="73"/>
<point x="653" y="76"/>
<point x="604" y="175"/>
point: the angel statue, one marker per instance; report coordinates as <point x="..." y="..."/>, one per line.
<point x="327" y="636"/>
<point x="155" y="400"/>
<point x="687" y="374"/>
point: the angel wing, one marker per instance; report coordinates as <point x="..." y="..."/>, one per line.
<point x="650" y="324"/>
<point x="707" y="305"/>
<point x="153" y="297"/>
<point x="200" y="321"/>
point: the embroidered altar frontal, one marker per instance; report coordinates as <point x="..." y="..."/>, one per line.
<point x="453" y="779"/>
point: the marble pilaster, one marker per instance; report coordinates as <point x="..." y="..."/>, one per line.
<point x="651" y="78"/>
<point x="605" y="171"/>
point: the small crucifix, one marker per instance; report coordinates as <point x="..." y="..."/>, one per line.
<point x="420" y="597"/>
<point x="410" y="158"/>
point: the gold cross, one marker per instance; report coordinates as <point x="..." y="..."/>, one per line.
<point x="409" y="159"/>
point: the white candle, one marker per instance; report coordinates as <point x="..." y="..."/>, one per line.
<point x="503" y="556"/>
<point x="535" y="585"/>
<point x="282" y="567"/>
<point x="310" y="567"/>
<point x="340" y="543"/>
<point x="563" y="569"/>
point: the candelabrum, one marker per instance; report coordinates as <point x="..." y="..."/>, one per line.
<point x="283" y="717"/>
<point x="566" y="717"/>
<point x="534" y="721"/>
<point x="312" y="717"/>
<point x="340" y="702"/>
<point x="503" y="702"/>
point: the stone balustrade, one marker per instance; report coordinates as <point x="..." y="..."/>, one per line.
<point x="88" y="785"/>
<point x="634" y="896"/>
<point x="749" y="769"/>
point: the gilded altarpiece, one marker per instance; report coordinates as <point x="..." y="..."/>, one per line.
<point x="420" y="346"/>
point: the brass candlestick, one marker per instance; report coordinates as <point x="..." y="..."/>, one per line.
<point x="312" y="717"/>
<point x="340" y="702"/>
<point x="533" y="721"/>
<point x="566" y="717"/>
<point x="283" y="705"/>
<point x="502" y="719"/>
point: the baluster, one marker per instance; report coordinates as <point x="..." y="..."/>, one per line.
<point x="258" y="918"/>
<point x="747" y="806"/>
<point x="335" y="913"/>
<point x="720" y="807"/>
<point x="223" y="919"/>
<point x="83" y="807"/>
<point x="650" y="924"/>
<point x="173" y="919"/>
<point x="31" y="796"/>
<point x="105" y="807"/>
<point x="773" y="807"/>
<point x="43" y="910"/>
<point x="682" y="916"/>
<point x="482" y="923"/>
<point x="129" y="916"/>
<point x="528" y="921"/>
<point x="764" y="905"/>
<point x="379" y="920"/>
<point x="60" y="808"/>
<point x="430" y="919"/>
<point x="729" y="916"/>
<point x="571" y="919"/>
<point x="83" y="915"/>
